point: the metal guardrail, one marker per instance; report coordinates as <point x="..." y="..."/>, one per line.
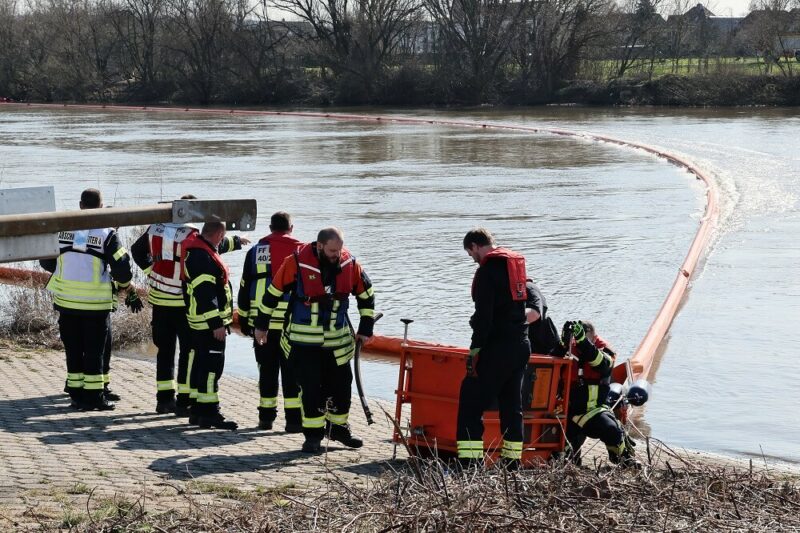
<point x="33" y="235"/>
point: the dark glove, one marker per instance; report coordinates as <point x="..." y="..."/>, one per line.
<point x="246" y="329"/>
<point x="133" y="302"/>
<point x="472" y="362"/>
<point x="566" y="333"/>
<point x="577" y="331"/>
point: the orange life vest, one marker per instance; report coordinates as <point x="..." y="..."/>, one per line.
<point x="279" y="246"/>
<point x="310" y="287"/>
<point x="196" y="241"/>
<point x="516" y="272"/>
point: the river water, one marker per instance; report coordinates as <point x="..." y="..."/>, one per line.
<point x="604" y="228"/>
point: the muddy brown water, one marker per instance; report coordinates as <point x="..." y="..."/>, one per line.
<point x="604" y="228"/>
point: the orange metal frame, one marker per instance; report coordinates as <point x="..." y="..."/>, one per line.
<point x="430" y="379"/>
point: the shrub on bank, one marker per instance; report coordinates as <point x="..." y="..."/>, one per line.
<point x="29" y="318"/>
<point x="31" y="321"/>
<point x="670" y="494"/>
<point x="697" y="90"/>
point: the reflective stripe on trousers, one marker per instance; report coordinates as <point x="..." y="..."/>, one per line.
<point x="470" y="449"/>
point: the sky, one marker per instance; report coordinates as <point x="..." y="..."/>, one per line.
<point x="728" y="8"/>
<point x="724" y="8"/>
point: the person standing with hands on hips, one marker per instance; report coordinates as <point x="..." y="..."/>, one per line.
<point x="321" y="276"/>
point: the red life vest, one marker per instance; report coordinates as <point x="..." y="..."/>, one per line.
<point x="166" y="243"/>
<point x="196" y="241"/>
<point x="516" y="272"/>
<point x="308" y="268"/>
<point x="281" y="246"/>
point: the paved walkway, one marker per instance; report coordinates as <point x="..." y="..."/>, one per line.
<point x="47" y="448"/>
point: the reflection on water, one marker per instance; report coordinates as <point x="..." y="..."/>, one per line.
<point x="604" y="229"/>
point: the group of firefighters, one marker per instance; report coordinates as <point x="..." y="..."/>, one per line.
<point x="293" y="301"/>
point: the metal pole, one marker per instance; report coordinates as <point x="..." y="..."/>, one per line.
<point x="406" y="322"/>
<point x="238" y="214"/>
<point x="38" y="223"/>
<point x="403" y="369"/>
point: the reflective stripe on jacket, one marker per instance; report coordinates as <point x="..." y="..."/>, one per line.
<point x="82" y="280"/>
<point x="164" y="278"/>
<point x="207" y="289"/>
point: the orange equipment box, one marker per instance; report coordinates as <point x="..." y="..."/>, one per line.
<point x="430" y="380"/>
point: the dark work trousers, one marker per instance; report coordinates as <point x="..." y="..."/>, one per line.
<point x="169" y="326"/>
<point x="209" y="362"/>
<point x="84" y="337"/>
<point x="603" y="426"/>
<point x="107" y="354"/>
<point x="500" y="369"/>
<point x="271" y="362"/>
<point x="321" y="380"/>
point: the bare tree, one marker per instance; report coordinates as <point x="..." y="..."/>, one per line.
<point x="638" y="29"/>
<point x="9" y="47"/>
<point x="138" y="26"/>
<point x="200" y="29"/>
<point x="105" y="46"/>
<point x="257" y="48"/>
<point x="770" y="21"/>
<point x="678" y="29"/>
<point x="556" y="36"/>
<point x="355" y="37"/>
<point x="476" y="38"/>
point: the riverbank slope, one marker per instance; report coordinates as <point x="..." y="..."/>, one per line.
<point x="132" y="467"/>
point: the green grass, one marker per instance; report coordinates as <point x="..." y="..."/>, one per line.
<point x="693" y="66"/>
<point x="78" y="488"/>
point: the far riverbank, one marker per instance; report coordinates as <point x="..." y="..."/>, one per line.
<point x="697" y="90"/>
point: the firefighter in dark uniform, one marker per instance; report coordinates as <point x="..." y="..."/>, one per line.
<point x="261" y="263"/>
<point x="91" y="267"/>
<point x="158" y="253"/>
<point x="542" y="333"/>
<point x="499" y="351"/>
<point x="321" y="276"/>
<point x="209" y="311"/>
<point x="588" y="414"/>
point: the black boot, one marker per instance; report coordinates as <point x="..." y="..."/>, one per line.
<point x="165" y="406"/>
<point x="510" y="465"/>
<point x="96" y="401"/>
<point x="76" y="398"/>
<point x="311" y="445"/>
<point x="165" y="401"/>
<point x="266" y="417"/>
<point x="462" y="465"/>
<point x="110" y="395"/>
<point x="342" y="434"/>
<point x="294" y="421"/>
<point x="625" y="460"/>
<point x="195" y="410"/>
<point x="216" y="420"/>
<point x="182" y="406"/>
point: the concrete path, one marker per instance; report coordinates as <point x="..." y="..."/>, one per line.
<point x="49" y="450"/>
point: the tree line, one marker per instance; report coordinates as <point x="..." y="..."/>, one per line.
<point x="409" y="52"/>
